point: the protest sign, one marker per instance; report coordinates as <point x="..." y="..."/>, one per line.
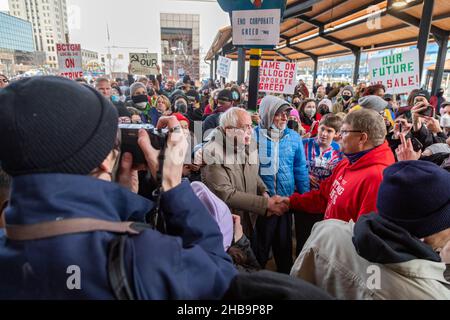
<point x="144" y="63"/>
<point x="223" y="67"/>
<point x="399" y="72"/>
<point x="69" y="60"/>
<point x="277" y="77"/>
<point x="256" y="27"/>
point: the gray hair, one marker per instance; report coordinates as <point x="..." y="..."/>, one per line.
<point x="230" y="117"/>
<point x="370" y="122"/>
<point x="100" y="80"/>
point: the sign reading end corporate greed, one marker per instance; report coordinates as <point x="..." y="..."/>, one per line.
<point x="399" y="72"/>
<point x="256" y="23"/>
<point x="256" y="27"/>
<point x="277" y="77"/>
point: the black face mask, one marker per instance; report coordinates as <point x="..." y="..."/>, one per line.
<point x="151" y="92"/>
<point x="297" y="104"/>
<point x="346" y="98"/>
<point x="140" y="98"/>
<point x="440" y="94"/>
<point x="181" y="107"/>
<point x="293" y="125"/>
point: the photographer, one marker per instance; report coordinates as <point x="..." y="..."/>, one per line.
<point x="65" y="213"/>
<point x="426" y="127"/>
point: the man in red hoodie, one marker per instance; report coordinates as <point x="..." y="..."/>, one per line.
<point x="352" y="189"/>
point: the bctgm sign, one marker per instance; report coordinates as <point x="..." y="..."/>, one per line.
<point x="256" y="27"/>
<point x="70" y="61"/>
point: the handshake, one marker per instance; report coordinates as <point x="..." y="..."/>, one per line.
<point x="277" y="205"/>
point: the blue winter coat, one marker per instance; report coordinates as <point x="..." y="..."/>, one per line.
<point x="287" y="172"/>
<point x="188" y="263"/>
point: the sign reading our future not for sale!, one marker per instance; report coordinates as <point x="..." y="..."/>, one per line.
<point x="69" y="60"/>
<point x="399" y="72"/>
<point x="256" y="27"/>
<point x="144" y="63"/>
<point x="277" y="77"/>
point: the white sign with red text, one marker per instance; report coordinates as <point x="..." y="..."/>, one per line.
<point x="69" y="60"/>
<point x="277" y="77"/>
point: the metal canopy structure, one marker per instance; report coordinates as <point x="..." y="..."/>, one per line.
<point x="314" y="29"/>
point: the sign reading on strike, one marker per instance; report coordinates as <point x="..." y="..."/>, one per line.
<point x="144" y="63"/>
<point x="69" y="60"/>
<point x="223" y="67"/>
<point x="399" y="72"/>
<point x="277" y="77"/>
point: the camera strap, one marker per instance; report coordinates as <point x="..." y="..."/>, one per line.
<point x="156" y="217"/>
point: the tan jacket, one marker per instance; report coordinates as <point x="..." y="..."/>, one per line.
<point x="238" y="185"/>
<point x="330" y="261"/>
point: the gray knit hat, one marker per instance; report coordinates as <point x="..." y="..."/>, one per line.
<point x="373" y="103"/>
<point x="136" y="86"/>
<point x="349" y="88"/>
<point x="439" y="148"/>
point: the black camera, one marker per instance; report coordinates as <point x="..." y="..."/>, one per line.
<point x="428" y="111"/>
<point x="130" y="135"/>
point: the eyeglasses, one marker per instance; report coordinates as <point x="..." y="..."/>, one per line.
<point x="280" y="114"/>
<point x="246" y="128"/>
<point x="345" y="132"/>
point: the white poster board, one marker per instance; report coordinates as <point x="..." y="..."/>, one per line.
<point x="144" y="63"/>
<point x="277" y="77"/>
<point x="69" y="60"/>
<point x="399" y="72"/>
<point x="256" y="27"/>
<point x="223" y="67"/>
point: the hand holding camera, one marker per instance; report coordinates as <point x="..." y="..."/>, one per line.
<point x="174" y="153"/>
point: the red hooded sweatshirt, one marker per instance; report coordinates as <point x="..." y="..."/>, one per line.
<point x="351" y="190"/>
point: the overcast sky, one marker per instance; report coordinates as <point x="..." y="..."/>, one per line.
<point x="135" y="23"/>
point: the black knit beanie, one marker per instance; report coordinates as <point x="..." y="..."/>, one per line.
<point x="416" y="196"/>
<point x="54" y="125"/>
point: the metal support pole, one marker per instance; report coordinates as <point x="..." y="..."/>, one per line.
<point x="424" y="32"/>
<point x="211" y="70"/>
<point x="440" y="64"/>
<point x="255" y="63"/>
<point x="316" y="64"/>
<point x="216" y="58"/>
<point x="241" y="66"/>
<point x="357" y="64"/>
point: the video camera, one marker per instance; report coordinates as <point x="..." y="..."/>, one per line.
<point x="130" y="135"/>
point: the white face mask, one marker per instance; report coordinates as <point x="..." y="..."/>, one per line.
<point x="310" y="112"/>
<point x="445" y="121"/>
<point x="141" y="105"/>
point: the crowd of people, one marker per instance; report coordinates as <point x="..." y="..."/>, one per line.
<point x="320" y="186"/>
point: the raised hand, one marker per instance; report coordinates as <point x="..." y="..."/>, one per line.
<point x="405" y="150"/>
